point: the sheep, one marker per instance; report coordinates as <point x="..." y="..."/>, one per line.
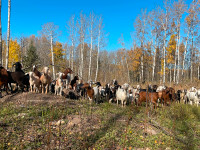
<point x="45" y="80"/>
<point x="121" y="95"/>
<point x="59" y="84"/>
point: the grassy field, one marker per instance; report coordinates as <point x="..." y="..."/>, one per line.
<point x="36" y="121"/>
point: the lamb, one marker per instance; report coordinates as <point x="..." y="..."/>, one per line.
<point x="59" y="84"/>
<point x="45" y="80"/>
<point x="121" y="95"/>
<point x="34" y="82"/>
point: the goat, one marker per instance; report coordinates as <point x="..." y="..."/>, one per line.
<point x="148" y="97"/>
<point x="35" y="70"/>
<point x="89" y="91"/>
<point x="66" y="76"/>
<point x="73" y="82"/>
<point x="18" y="77"/>
<point x="3" y="79"/>
<point x="121" y="95"/>
<point x="34" y="82"/>
<point x="45" y="80"/>
<point x="59" y="84"/>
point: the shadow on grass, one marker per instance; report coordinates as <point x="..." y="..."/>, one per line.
<point x="92" y="139"/>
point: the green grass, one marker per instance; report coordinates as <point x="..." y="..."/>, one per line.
<point x="103" y="126"/>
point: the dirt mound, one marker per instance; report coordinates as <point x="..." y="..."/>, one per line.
<point x="27" y="97"/>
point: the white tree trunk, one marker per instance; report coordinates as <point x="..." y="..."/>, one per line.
<point x="82" y="48"/>
<point x="127" y="69"/>
<point x="178" y="47"/>
<point x="186" y="43"/>
<point x="154" y="64"/>
<point x="142" y="68"/>
<point x="154" y="60"/>
<point x="175" y="68"/>
<point x="52" y="57"/>
<point x="164" y="58"/>
<point x="91" y="42"/>
<point x="98" y="49"/>
<point x="192" y="56"/>
<point x="8" y="35"/>
<point x="72" y="55"/>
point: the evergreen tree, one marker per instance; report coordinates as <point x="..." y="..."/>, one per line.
<point x="31" y="58"/>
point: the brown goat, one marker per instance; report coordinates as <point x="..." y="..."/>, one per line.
<point x="35" y="70"/>
<point x="3" y="78"/>
<point x="148" y="97"/>
<point x="89" y="91"/>
<point x="168" y="95"/>
<point x="45" y="80"/>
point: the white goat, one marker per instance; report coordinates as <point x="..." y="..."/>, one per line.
<point x="193" y="96"/>
<point x="34" y="82"/>
<point x="59" y="84"/>
<point x="160" y="88"/>
<point x="125" y="86"/>
<point x="121" y="95"/>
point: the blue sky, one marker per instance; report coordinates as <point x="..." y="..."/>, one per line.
<point x="27" y="16"/>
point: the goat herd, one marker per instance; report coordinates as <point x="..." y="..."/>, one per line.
<point x="36" y="81"/>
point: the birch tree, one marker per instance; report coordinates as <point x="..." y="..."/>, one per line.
<point x="164" y="18"/>
<point x="8" y="34"/>
<point x="50" y="31"/>
<point x="72" y="35"/>
<point x="91" y="31"/>
<point x="82" y="28"/>
<point x="154" y="34"/>
<point x="100" y="28"/>
<point x="193" y="22"/>
<point x="140" y="25"/>
<point x="179" y="9"/>
<point x="121" y="41"/>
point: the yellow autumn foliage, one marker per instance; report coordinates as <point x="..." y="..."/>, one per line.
<point x="14" y="53"/>
<point x="134" y="58"/>
<point x="170" y="50"/>
<point x="58" y="50"/>
<point x="58" y="53"/>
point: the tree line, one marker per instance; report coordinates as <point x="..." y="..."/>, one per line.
<point x="165" y="47"/>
